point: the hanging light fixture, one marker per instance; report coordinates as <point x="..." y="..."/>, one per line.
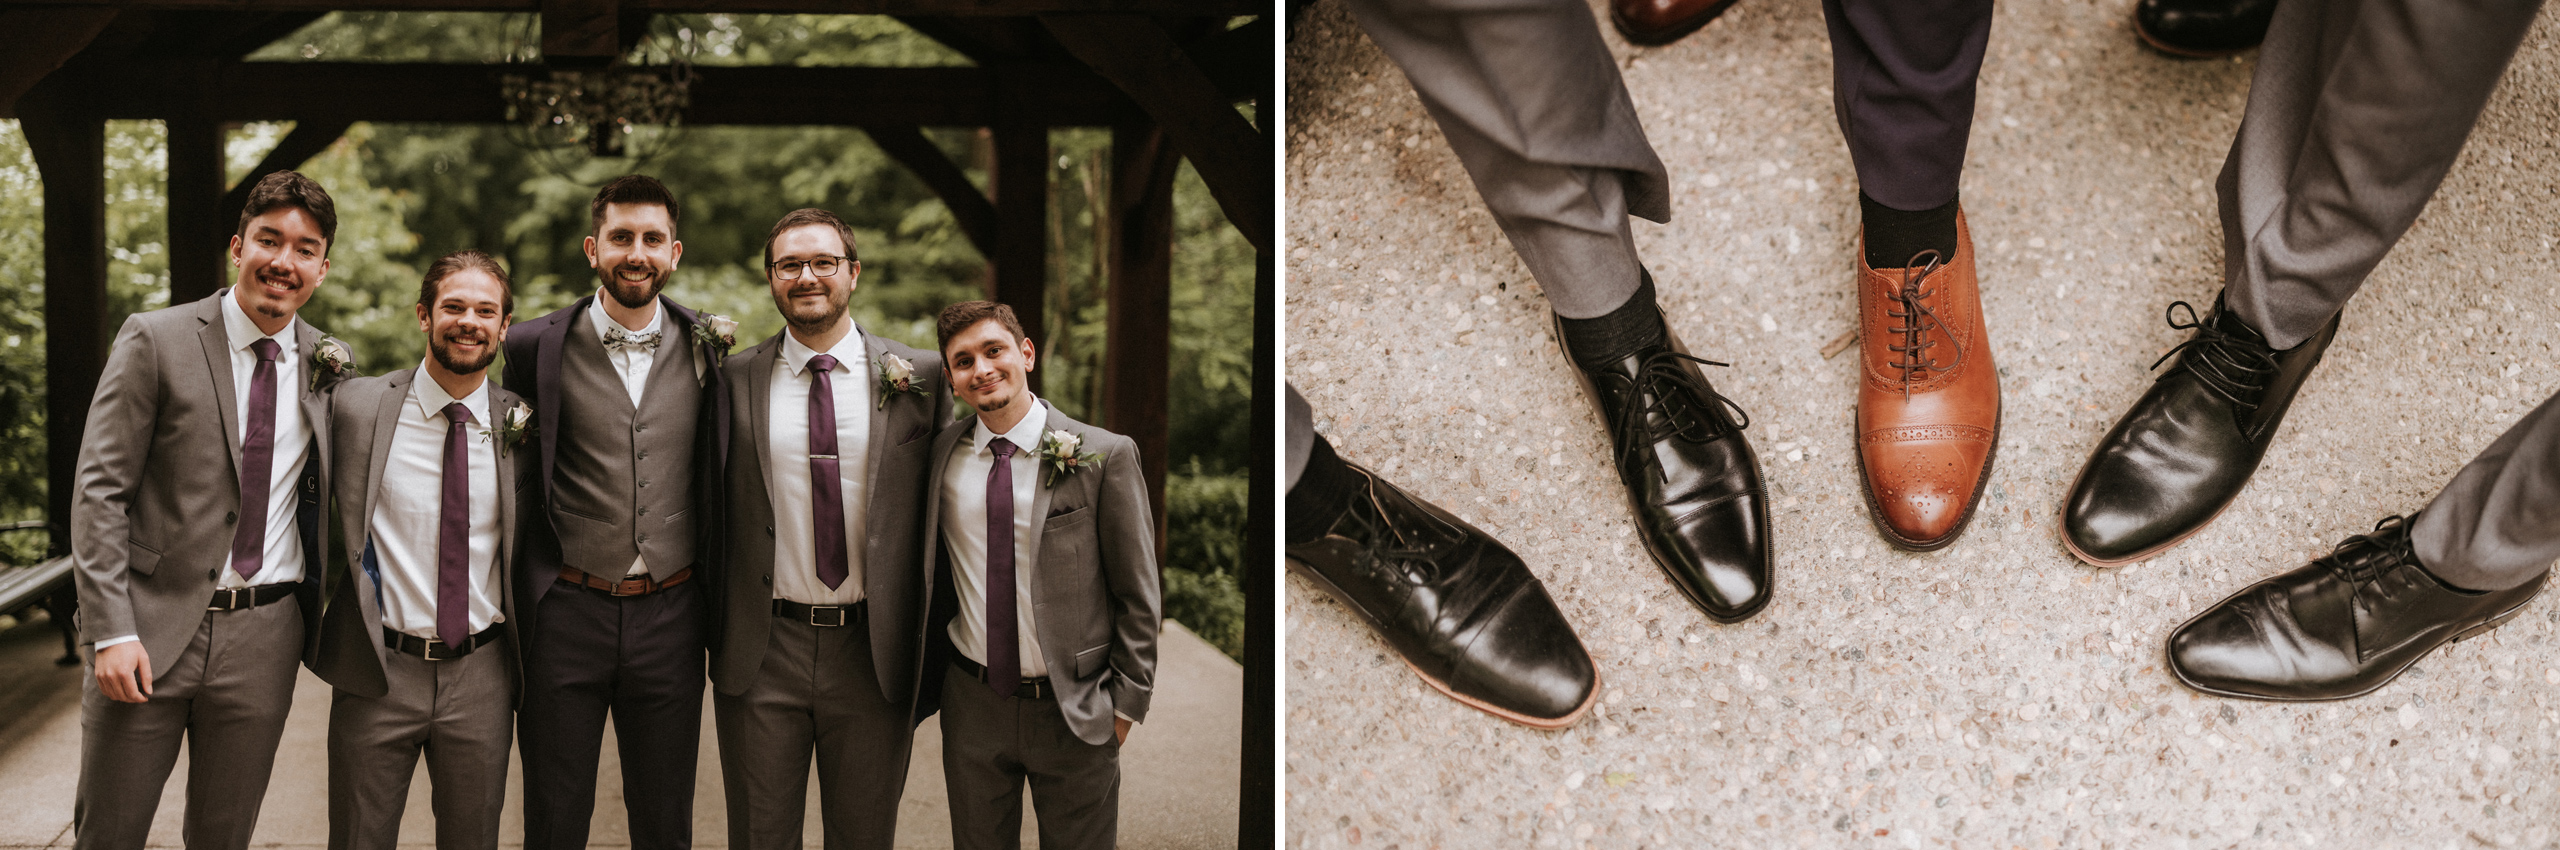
<point x="571" y="116"/>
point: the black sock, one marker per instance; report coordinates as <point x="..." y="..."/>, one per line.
<point x="1612" y="336"/>
<point x="1894" y="236"/>
<point x="1325" y="489"/>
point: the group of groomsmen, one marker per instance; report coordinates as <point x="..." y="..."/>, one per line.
<point x="632" y="501"/>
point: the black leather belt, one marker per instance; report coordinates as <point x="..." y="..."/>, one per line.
<point x="432" y="649"/>
<point x="236" y="598"/>
<point x="823" y="616"/>
<point x="1031" y="688"/>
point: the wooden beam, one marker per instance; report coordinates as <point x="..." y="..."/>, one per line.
<point x="1257" y="821"/>
<point x="1136" y="54"/>
<point x="1137" y="390"/>
<point x="969" y="8"/>
<point x="969" y="206"/>
<point x="1237" y="61"/>
<point x="1065" y="94"/>
<point x="70" y="150"/>
<point x="35" y="42"/>
<point x="264" y="30"/>
<point x="306" y="141"/>
<point x="987" y="41"/>
<point x="1022" y="234"/>
<point x="580" y="33"/>
<point x="197" y="231"/>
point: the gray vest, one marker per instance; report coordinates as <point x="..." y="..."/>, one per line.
<point x="622" y="483"/>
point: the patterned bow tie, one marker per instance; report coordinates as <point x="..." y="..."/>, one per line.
<point x="617" y="339"/>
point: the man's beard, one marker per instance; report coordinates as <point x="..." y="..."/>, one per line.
<point x="615" y="286"/>
<point x="442" y="349"/>
<point x="824" y="320"/>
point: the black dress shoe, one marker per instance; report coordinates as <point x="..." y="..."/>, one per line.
<point x="2202" y="29"/>
<point x="2190" y="443"/>
<point x="2341" y="627"/>
<point x="1462" y="610"/>
<point x="1690" y="476"/>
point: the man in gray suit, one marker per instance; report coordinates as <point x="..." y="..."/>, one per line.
<point x="430" y="465"/>
<point x="200" y="478"/>
<point x="826" y="484"/>
<point x="1046" y="608"/>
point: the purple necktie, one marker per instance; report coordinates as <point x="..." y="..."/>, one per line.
<point x="1004" y="649"/>
<point x="257" y="461"/>
<point x="453" y="533"/>
<point x="826" y="479"/>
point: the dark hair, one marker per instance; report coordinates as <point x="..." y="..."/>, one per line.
<point x="804" y="217"/>
<point x="291" y="189"/>
<point x="967" y="314"/>
<point x="461" y="261"/>
<point x="633" y="189"/>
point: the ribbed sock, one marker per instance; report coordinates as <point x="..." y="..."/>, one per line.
<point x="1612" y="336"/>
<point x="1325" y="489"/>
<point x="1894" y="236"/>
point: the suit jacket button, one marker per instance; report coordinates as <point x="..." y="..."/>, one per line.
<point x="214" y="574"/>
<point x="768" y="581"/>
<point x="231" y="518"/>
<point x="644" y="509"/>
<point x="768" y="531"/>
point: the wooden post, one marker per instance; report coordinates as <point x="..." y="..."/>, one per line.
<point x="1022" y="212"/>
<point x="1137" y="361"/>
<point x="70" y="148"/>
<point x="197" y="233"/>
<point x="1257" y="821"/>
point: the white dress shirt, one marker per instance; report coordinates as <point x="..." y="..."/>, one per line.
<point x="964" y="534"/>
<point x="633" y="366"/>
<point x="408" y="517"/>
<point x="795" y="536"/>
<point x="283" y="559"/>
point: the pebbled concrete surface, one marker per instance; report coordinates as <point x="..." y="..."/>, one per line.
<point x="1993" y="694"/>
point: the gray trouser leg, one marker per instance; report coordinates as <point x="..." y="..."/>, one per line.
<point x="225" y="699"/>
<point x="2497" y="523"/>
<point x="816" y="695"/>
<point x="1533" y="106"/>
<point x="2357" y="110"/>
<point x="1302" y="435"/>
<point x="460" y="715"/>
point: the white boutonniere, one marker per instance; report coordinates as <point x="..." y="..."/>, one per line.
<point x="1058" y="454"/>
<point x="718" y="332"/>
<point x="897" y="376"/>
<point x="331" y="362"/>
<point x="513" y="428"/>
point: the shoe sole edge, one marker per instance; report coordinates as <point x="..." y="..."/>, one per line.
<point x="1534" y="722"/>
<point x="2494" y="621"/>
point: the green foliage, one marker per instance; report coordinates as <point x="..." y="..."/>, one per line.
<point x="1204" y="554"/>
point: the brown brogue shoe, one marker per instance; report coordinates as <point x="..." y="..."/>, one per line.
<point x="1929" y="398"/>
<point x="1653" y="23"/>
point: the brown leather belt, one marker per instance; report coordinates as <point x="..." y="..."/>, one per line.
<point x="432" y="649"/>
<point x="237" y="598"/>
<point x="634" y="586"/>
<point x="1030" y="688"/>
<point x="822" y="616"/>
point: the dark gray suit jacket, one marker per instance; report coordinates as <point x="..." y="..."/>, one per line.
<point x="158" y="486"/>
<point x="1099" y="600"/>
<point x="364" y="415"/>
<point x="894" y="485"/>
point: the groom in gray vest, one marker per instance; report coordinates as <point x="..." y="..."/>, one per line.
<point x="623" y="384"/>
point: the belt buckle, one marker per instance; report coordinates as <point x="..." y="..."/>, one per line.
<point x="837" y="610"/>
<point x="230" y="599"/>
<point x="430" y="651"/>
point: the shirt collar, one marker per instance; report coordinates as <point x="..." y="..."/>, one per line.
<point x="431" y="398"/>
<point x="596" y="316"/>
<point x="1025" y="435"/>
<point x="848" y="352"/>
<point x="241" y="331"/>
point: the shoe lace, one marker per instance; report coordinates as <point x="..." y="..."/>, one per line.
<point x="2230" y="365"/>
<point x="1686" y="407"/>
<point x="1912" y="357"/>
<point x="1407" y="553"/>
<point x="2365" y="557"/>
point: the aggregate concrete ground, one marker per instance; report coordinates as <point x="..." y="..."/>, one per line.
<point x="1177" y="791"/>
<point x="1996" y="693"/>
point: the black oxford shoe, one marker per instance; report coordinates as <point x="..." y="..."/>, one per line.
<point x="2202" y="29"/>
<point x="2190" y="443"/>
<point x="1462" y="610"/>
<point x="2341" y="627"/>
<point x="1690" y="476"/>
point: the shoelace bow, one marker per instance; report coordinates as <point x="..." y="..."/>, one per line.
<point x="1919" y="318"/>
<point x="1403" y="554"/>
<point x="2365" y="557"/>
<point x="2228" y="364"/>
<point x="1686" y="407"/>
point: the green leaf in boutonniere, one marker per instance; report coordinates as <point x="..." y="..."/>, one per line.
<point x="716" y="332"/>
<point x="512" y="429"/>
<point x="1058" y="455"/>
<point x="897" y="375"/>
<point x="330" y="362"/>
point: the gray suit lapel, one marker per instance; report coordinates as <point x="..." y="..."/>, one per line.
<point x="501" y="401"/>
<point x="760" y="401"/>
<point x="873" y="348"/>
<point x="217" y="358"/>
<point x="386" y="420"/>
<point x="940" y="464"/>
<point x="1040" y="492"/>
<point x="315" y="408"/>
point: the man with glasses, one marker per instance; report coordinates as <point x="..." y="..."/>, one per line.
<point x="826" y="480"/>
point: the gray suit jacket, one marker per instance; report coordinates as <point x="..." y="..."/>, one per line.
<point x="1095" y="590"/>
<point x="896" y="489"/>
<point x="158" y="484"/>
<point x="364" y="415"/>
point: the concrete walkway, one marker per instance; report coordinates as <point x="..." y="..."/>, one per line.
<point x="1178" y="774"/>
<point x="1993" y="694"/>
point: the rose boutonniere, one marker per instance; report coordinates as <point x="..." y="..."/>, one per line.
<point x="718" y="332"/>
<point x="513" y="428"/>
<point x="331" y="362"/>
<point x="897" y="376"/>
<point x="1058" y="453"/>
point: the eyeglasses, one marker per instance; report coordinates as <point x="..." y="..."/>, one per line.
<point x="822" y="267"/>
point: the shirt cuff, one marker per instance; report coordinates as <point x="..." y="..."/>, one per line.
<point x="1132" y="720"/>
<point x="115" y="640"/>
